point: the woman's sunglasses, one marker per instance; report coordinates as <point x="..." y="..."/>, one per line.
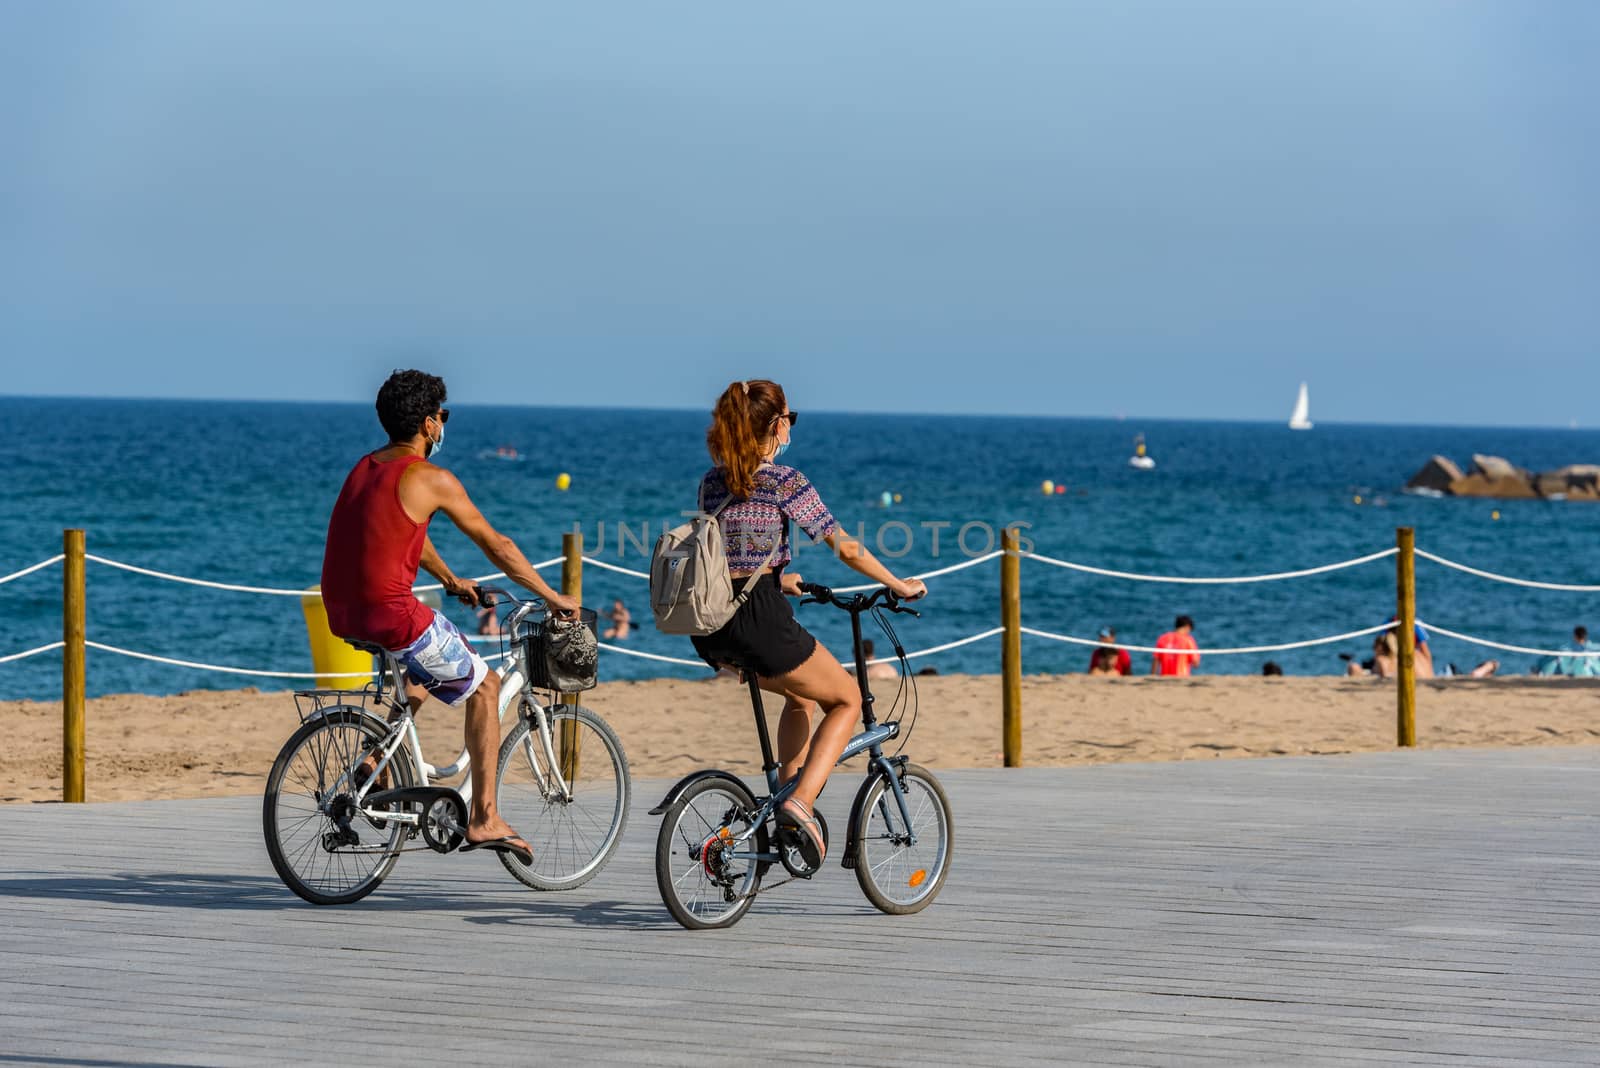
<point x="793" y="417"/>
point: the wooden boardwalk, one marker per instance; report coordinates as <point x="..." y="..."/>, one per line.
<point x="1406" y="907"/>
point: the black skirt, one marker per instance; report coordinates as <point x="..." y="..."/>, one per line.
<point x="762" y="635"/>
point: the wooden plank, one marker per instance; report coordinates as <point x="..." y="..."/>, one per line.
<point x="1243" y="910"/>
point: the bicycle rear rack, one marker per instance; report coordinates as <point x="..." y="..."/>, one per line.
<point x="312" y="703"/>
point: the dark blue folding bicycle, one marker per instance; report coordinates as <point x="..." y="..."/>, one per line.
<point x="718" y="840"/>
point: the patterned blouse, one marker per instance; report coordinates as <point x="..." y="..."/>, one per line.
<point x="749" y="526"/>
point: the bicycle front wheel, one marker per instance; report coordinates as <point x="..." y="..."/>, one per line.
<point x="899" y="875"/>
<point x="321" y="846"/>
<point x="573" y="832"/>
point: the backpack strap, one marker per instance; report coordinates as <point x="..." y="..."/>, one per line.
<point x="700" y="502"/>
<point x="749" y="583"/>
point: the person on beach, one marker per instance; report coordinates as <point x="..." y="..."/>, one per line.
<point x="377" y="539"/>
<point x="874" y="671"/>
<point x="1580" y="666"/>
<point x="751" y="426"/>
<point x="621" y="621"/>
<point x="1103" y="663"/>
<point x="1121" y="658"/>
<point x="1180" y="637"/>
<point x="1422" y="658"/>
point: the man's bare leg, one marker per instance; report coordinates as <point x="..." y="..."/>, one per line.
<point x="483" y="746"/>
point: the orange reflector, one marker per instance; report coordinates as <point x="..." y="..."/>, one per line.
<point x="725" y="834"/>
<point x="917" y="877"/>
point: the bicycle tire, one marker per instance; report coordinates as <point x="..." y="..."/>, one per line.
<point x="566" y="854"/>
<point x="289" y="855"/>
<point x="676" y="858"/>
<point x="884" y="876"/>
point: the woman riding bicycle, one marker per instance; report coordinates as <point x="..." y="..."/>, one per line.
<point x="750" y="427"/>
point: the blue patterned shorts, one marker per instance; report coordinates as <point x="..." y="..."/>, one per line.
<point x="443" y="663"/>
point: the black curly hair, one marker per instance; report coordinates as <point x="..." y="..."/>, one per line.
<point x="406" y="401"/>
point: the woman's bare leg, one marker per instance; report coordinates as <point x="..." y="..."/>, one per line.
<point x="794" y="730"/>
<point x="823" y="681"/>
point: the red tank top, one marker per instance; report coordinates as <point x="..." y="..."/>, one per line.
<point x="371" y="558"/>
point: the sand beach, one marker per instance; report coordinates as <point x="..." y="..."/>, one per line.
<point x="222" y="743"/>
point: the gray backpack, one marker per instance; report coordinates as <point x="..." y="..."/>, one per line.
<point x="691" y="591"/>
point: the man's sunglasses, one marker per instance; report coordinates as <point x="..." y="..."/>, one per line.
<point x="444" y="415"/>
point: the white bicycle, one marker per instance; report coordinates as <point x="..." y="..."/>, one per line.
<point x="351" y="790"/>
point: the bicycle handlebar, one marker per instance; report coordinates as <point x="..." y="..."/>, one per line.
<point x="819" y="594"/>
<point x="486" y="599"/>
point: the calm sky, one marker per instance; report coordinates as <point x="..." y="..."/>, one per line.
<point x="1156" y="208"/>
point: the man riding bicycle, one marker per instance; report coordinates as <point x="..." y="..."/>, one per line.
<point x="377" y="539"/>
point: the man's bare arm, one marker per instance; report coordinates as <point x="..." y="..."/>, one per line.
<point x="448" y="496"/>
<point x="434" y="565"/>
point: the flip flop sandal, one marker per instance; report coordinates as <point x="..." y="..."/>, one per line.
<point x="812" y="848"/>
<point x="503" y="844"/>
<point x="364" y="771"/>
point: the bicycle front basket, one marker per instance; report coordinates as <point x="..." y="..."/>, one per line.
<point x="563" y="655"/>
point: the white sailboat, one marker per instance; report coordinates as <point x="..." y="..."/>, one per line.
<point x="1301" y="419"/>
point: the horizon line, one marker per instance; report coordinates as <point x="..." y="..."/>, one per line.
<point x="1113" y="418"/>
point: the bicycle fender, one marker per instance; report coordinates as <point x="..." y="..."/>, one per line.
<point x="355" y="712"/>
<point x="848" y="860"/>
<point x="683" y="784"/>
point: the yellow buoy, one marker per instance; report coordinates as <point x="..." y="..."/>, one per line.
<point x="563" y="481"/>
<point x="1048" y="487"/>
<point x="897" y="498"/>
<point x="1494" y="514"/>
<point x="1356" y="499"/>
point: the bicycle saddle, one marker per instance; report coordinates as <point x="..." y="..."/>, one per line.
<point x="367" y="647"/>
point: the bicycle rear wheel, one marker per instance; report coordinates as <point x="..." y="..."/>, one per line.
<point x="699" y="884"/>
<point x="573" y="835"/>
<point x="896" y="876"/>
<point x="321" y="846"/>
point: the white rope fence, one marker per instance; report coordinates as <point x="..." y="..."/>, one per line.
<point x="608" y="647"/>
<point x="174" y="662"/>
<point x="606" y="565"/>
<point x="1530" y="583"/>
<point x="941" y="648"/>
<point x="1330" y="640"/>
<point x="617" y="568"/>
<point x="929" y="574"/>
<point x="937" y="573"/>
<point x="265" y="590"/>
<point x="876" y="660"/>
<point x="41" y="565"/>
<point x="1485" y="642"/>
<point x="31" y="652"/>
<point x="1208" y="581"/>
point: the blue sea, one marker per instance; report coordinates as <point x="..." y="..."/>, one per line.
<point x="240" y="492"/>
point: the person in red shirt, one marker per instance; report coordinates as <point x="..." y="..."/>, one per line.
<point x="378" y="537"/>
<point x="1108" y="638"/>
<point x="1181" y="636"/>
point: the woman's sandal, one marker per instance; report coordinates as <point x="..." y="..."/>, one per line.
<point x="813" y="850"/>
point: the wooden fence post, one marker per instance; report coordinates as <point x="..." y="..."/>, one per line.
<point x="572" y="586"/>
<point x="1011" y="648"/>
<point x="72" y="673"/>
<point x="1406" y="615"/>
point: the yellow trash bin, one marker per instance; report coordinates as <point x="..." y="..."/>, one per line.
<point x="331" y="655"/>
